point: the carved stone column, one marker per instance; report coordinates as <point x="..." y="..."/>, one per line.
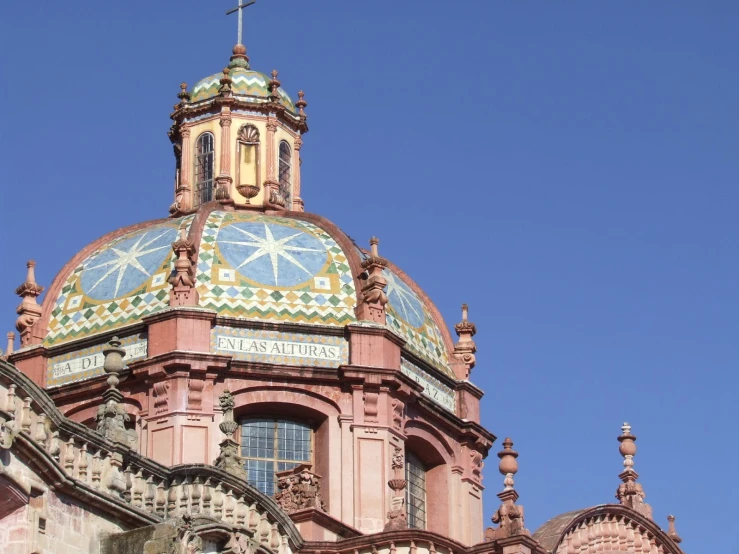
<point x="185" y="171"/>
<point x="183" y="292"/>
<point x="111" y="415"/>
<point x="396" y="517"/>
<point x="228" y="459"/>
<point x="224" y="180"/>
<point x="298" y="204"/>
<point x="271" y="185"/>
<point x="373" y="291"/>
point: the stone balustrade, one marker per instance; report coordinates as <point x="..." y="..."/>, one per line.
<point x="407" y="541"/>
<point x="142" y="491"/>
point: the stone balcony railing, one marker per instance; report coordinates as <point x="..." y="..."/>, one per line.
<point x="137" y="490"/>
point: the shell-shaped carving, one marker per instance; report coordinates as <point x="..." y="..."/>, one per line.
<point x="249" y="134"/>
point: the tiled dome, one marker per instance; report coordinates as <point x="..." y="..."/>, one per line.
<point x="298" y="269"/>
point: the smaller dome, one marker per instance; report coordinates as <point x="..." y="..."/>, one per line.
<point x="245" y="82"/>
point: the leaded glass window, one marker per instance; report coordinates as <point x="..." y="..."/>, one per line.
<point x="285" y="172"/>
<point x="272" y="445"/>
<point x="204" y="162"/>
<point x="415" y="492"/>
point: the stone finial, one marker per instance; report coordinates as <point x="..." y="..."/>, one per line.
<point x="28" y="311"/>
<point x="111" y="415"/>
<point x="299" y="488"/>
<point x="183" y="292"/>
<point x="629" y="492"/>
<point x="373" y="291"/>
<point x="183" y="95"/>
<point x="274" y="85"/>
<point x="226" y="82"/>
<point x="228" y="459"/>
<point x="227" y="403"/>
<point x="671" y="532"/>
<point x="239" y="53"/>
<point x="508" y="465"/>
<point x="301" y="104"/>
<point x="11" y="343"/>
<point x="509" y="516"/>
<point x="465" y="348"/>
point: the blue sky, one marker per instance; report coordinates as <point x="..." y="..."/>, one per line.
<point x="569" y="169"/>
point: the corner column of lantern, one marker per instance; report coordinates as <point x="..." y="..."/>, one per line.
<point x="298" y="204"/>
<point x="179" y="134"/>
<point x="224" y="180"/>
<point x="184" y="190"/>
<point x="271" y="186"/>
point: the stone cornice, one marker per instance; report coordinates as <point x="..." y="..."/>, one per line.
<point x="185" y="312"/>
<point x="467" y="386"/>
<point x="325" y="520"/>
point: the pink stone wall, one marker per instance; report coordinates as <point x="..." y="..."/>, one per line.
<point x="360" y="413"/>
<point x="54" y="524"/>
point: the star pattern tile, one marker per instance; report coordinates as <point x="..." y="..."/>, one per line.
<point x="126" y="265"/>
<point x="256" y="250"/>
<point x="284" y="270"/>
<point x="116" y="285"/>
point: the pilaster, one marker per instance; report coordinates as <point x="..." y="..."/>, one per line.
<point x="271" y="185"/>
<point x="298" y="204"/>
<point x="224" y="179"/>
<point x="185" y="188"/>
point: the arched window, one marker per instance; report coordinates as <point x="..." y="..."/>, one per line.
<point x="415" y="492"/>
<point x="204" y="163"/>
<point x="285" y="170"/>
<point x="272" y="445"/>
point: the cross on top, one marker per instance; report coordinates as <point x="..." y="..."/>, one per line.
<point x="240" y="9"/>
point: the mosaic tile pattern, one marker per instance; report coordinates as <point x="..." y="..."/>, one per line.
<point x="408" y="316"/>
<point x="276" y="347"/>
<point x="273" y="268"/>
<point x="86" y="363"/>
<point x="118" y="284"/>
<point x="245" y="83"/>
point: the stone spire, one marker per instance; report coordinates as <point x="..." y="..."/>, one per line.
<point x="183" y="292"/>
<point x="629" y="492"/>
<point x="465" y="348"/>
<point x="228" y="459"/>
<point x="28" y="311"/>
<point x="671" y="530"/>
<point x="111" y="415"/>
<point x="509" y="516"/>
<point x="373" y="291"/>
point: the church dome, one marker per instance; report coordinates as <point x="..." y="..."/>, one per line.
<point x="246" y="83"/>
<point x="296" y="269"/>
